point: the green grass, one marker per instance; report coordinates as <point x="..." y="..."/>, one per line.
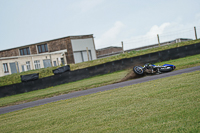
<point x="165" y="105"/>
<point x="64" y="88"/>
<point x="15" y="78"/>
<point x="96" y="81"/>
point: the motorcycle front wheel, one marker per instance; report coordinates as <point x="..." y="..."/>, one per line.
<point x="138" y="70"/>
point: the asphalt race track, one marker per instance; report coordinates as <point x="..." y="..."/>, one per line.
<point x="94" y="90"/>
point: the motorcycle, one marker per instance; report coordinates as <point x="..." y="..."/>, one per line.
<point x="151" y="68"/>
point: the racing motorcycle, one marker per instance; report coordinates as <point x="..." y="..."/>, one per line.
<point x="151" y="68"/>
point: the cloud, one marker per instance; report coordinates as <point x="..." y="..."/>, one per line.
<point x="157" y="30"/>
<point x="110" y="36"/>
<point x="152" y="33"/>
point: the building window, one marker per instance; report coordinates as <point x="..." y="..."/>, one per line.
<point x="42" y="48"/>
<point x="54" y="62"/>
<point x="24" y="51"/>
<point x="5" y="67"/>
<point x="28" y="65"/>
<point x="37" y="64"/>
<point x="23" y="68"/>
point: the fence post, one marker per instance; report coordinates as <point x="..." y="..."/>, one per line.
<point x="158" y="40"/>
<point x="87" y="54"/>
<point x="122" y="47"/>
<point x="195" y="32"/>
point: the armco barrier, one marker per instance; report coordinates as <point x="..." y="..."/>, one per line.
<point x="108" y="67"/>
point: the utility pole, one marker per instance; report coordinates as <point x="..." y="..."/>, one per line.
<point x="195" y="32"/>
<point x="50" y="59"/>
<point x="16" y="65"/>
<point x="158" y="40"/>
<point x="122" y="47"/>
<point x="87" y="53"/>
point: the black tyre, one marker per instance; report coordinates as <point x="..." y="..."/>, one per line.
<point x="168" y="69"/>
<point x="138" y="70"/>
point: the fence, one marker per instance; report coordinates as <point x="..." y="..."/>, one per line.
<point x="152" y="38"/>
<point x="108" y="67"/>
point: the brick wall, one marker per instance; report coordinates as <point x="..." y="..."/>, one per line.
<point x="61" y="44"/>
<point x="69" y="55"/>
<point x="56" y="45"/>
<point x="33" y="49"/>
<point x="9" y="53"/>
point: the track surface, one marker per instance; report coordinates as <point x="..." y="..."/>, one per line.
<point x="95" y="90"/>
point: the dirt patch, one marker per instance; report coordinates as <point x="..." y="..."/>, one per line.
<point x="130" y="75"/>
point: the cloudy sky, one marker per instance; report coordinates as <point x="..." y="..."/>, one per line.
<point x="135" y="22"/>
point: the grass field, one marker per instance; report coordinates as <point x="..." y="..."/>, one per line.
<point x="165" y="105"/>
<point x="97" y="81"/>
<point x="45" y="72"/>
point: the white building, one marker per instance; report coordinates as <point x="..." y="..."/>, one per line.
<point x="66" y="50"/>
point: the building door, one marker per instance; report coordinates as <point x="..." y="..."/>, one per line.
<point x="78" y="57"/>
<point x="47" y="63"/>
<point x="13" y="67"/>
<point x="85" y="56"/>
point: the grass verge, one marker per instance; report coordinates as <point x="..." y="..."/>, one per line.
<point x="97" y="81"/>
<point x="165" y="105"/>
<point x="45" y="72"/>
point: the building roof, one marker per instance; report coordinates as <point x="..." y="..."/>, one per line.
<point x="48" y="41"/>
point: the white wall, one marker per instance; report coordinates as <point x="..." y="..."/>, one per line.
<point x="22" y="61"/>
<point x="81" y="44"/>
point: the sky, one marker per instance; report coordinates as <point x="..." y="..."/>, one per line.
<point x="135" y="22"/>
